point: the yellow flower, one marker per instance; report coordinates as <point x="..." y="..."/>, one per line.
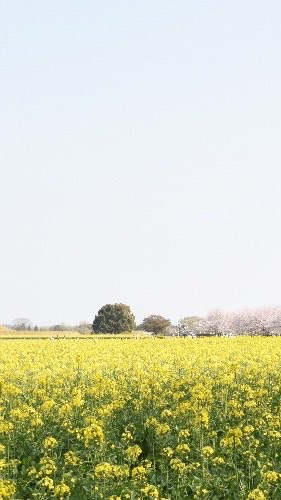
<point x="7" y="489"/>
<point x="177" y="465"/>
<point x="31" y="471"/>
<point x="151" y="422"/>
<point x="150" y="491"/>
<point x="167" y="452"/>
<point x="250" y="404"/>
<point x="256" y="495"/>
<point x="48" y="466"/>
<point x="47" y="482"/>
<point x="127" y="436"/>
<point x="248" y="429"/>
<point x="202" y="419"/>
<point x="120" y="471"/>
<point x="50" y="442"/>
<point x="48" y="405"/>
<point x="133" y="452"/>
<point x="71" y="459"/>
<point x="93" y="434"/>
<point x="104" y="470"/>
<point x="62" y="490"/>
<point x="139" y="473"/>
<point x="166" y="413"/>
<point x="271" y="476"/>
<point x="162" y="429"/>
<point x="218" y="461"/>
<point x="207" y="451"/>
<point x="6" y="427"/>
<point x="3" y="463"/>
<point x="233" y="438"/>
<point x="77" y="399"/>
<point x="201" y="493"/>
<point x="183" y="449"/>
<point x="36" y="421"/>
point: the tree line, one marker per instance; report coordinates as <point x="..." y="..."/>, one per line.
<point x="118" y="318"/>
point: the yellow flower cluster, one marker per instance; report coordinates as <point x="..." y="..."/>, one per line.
<point x="153" y="419"/>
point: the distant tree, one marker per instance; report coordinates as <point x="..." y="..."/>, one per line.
<point x="36" y="328"/>
<point x="215" y="323"/>
<point x="84" y="327"/>
<point x="190" y="325"/>
<point x="62" y="327"/>
<point x="172" y="331"/>
<point x="22" y="324"/>
<point x="155" y="323"/>
<point x="265" y="321"/>
<point x="114" y="318"/>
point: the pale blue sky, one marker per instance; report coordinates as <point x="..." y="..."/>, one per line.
<point x="140" y="157"/>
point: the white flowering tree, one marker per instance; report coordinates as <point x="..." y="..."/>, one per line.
<point x="216" y="323"/>
<point x="264" y="321"/>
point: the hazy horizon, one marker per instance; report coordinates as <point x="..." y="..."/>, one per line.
<point x="140" y="158"/>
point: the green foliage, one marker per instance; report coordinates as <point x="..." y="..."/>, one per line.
<point x="114" y="318"/>
<point x="61" y="328"/>
<point x="155" y="323"/>
<point x="190" y="325"/>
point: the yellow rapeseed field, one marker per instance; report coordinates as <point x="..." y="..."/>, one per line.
<point x="140" y="419"/>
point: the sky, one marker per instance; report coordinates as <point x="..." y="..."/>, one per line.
<point x="139" y="157"/>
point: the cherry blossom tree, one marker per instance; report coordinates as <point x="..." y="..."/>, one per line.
<point x="263" y="321"/>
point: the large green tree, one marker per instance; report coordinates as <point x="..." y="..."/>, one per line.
<point x="114" y="318"/>
<point x="155" y="323"/>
